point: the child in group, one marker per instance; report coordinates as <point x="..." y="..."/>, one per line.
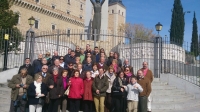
<point x="133" y="89"/>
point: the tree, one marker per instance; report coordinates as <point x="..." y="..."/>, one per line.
<point x="139" y="31"/>
<point x="177" y="24"/>
<point x="194" y="44"/>
<point x="8" y="22"/>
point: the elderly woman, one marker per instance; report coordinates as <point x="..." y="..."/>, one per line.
<point x="36" y="94"/>
<point x="19" y="84"/>
<point x="76" y="91"/>
<point x="55" y="90"/>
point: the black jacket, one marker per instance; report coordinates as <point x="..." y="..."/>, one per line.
<point x="116" y="88"/>
<point x="57" y="89"/>
<point x="29" y="69"/>
<point x="31" y="93"/>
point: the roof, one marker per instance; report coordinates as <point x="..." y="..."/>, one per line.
<point x="111" y="2"/>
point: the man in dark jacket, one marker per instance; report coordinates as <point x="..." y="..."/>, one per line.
<point x="89" y="55"/>
<point x="56" y="64"/>
<point x="88" y="65"/>
<point x="96" y="54"/>
<point x="77" y="51"/>
<point x="70" y="70"/>
<point x="19" y="84"/>
<point x="37" y="63"/>
<point x="110" y="58"/>
<point x="54" y="57"/>
<point x="28" y="66"/>
<point x="70" y="59"/>
<point x="99" y="88"/>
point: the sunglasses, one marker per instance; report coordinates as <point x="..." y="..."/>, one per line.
<point x="44" y="68"/>
<point x="70" y="65"/>
<point x="61" y="59"/>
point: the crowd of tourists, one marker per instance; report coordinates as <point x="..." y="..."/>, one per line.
<point x="83" y="80"/>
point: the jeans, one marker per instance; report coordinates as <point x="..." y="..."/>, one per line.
<point x="99" y="103"/>
<point x="35" y="108"/>
<point x="21" y="106"/>
<point x="74" y="105"/>
<point x="53" y="105"/>
<point x="132" y="106"/>
<point x="142" y="104"/>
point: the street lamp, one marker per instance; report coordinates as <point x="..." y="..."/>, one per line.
<point x="158" y="27"/>
<point x="31" y="21"/>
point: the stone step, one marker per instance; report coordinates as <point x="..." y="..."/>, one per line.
<point x="160" y="87"/>
<point x="5" y="90"/>
<point x="166" y="92"/>
<point x="174" y="98"/>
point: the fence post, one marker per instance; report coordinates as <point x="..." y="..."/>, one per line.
<point x="131" y="50"/>
<point x="32" y="45"/>
<point x="156" y="57"/>
<point x="58" y="34"/>
<point x="95" y="37"/>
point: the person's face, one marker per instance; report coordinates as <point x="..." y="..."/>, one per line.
<point x="61" y="59"/>
<point x="115" y="55"/>
<point x="55" y="72"/>
<point x="69" y="51"/>
<point x="126" y="62"/>
<point x="121" y="75"/>
<point x="88" y="75"/>
<point x="23" y="72"/>
<point x="145" y="65"/>
<point x="88" y="55"/>
<point x="39" y="79"/>
<point x="140" y="74"/>
<point x="96" y="50"/>
<point x="102" y="50"/>
<point x="102" y="60"/>
<point x="113" y="63"/>
<point x="44" y="61"/>
<point x="89" y="60"/>
<point x="127" y="70"/>
<point x="72" y="54"/>
<point x="57" y="62"/>
<point x="76" y="74"/>
<point x="101" y="71"/>
<point x="102" y="55"/>
<point x="77" y="48"/>
<point x="55" y="53"/>
<point x="111" y="54"/>
<point x="44" y="69"/>
<point x="133" y="80"/>
<point x="79" y="67"/>
<point x="64" y="74"/>
<point x="40" y="56"/>
<point x="27" y="61"/>
<point x="87" y="47"/>
<point x="77" y="61"/>
<point x="82" y="51"/>
<point x="111" y="71"/>
<point x="70" y="66"/>
<point x="94" y="67"/>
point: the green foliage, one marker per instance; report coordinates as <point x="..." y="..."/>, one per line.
<point x="194" y="44"/>
<point x="177" y="24"/>
<point x="8" y="20"/>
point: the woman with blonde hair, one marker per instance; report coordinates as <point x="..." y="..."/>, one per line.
<point x="36" y="94"/>
<point x="115" y="66"/>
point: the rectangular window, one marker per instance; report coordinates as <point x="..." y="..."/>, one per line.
<point x="68" y="32"/>
<point x="68" y="1"/>
<point x="81" y="17"/>
<point x="81" y="6"/>
<point x="122" y="13"/>
<point x="68" y="12"/>
<point x="53" y="27"/>
<point x="112" y="11"/>
<point x="36" y="24"/>
<point x="37" y="1"/>
<point x="53" y="6"/>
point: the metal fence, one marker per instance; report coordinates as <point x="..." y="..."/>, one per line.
<point x="162" y="55"/>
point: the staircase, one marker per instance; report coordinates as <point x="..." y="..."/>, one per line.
<point x="167" y="98"/>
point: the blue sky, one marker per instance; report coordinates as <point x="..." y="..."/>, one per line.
<point x="150" y="12"/>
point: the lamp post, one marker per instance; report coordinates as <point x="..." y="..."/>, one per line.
<point x="30" y="40"/>
<point x="158" y="27"/>
<point x="6" y="38"/>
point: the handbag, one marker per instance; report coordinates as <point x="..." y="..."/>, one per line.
<point x="41" y="101"/>
<point x="67" y="91"/>
<point x="24" y="96"/>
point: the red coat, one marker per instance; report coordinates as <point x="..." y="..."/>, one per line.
<point x="76" y="88"/>
<point x="88" y="90"/>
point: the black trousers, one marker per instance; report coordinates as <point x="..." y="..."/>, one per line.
<point x="74" y="105"/>
<point x="45" y="107"/>
<point x="142" y="105"/>
<point x="21" y="105"/>
<point x="107" y="102"/>
<point x="88" y="106"/>
<point x="119" y="104"/>
<point x="53" y="105"/>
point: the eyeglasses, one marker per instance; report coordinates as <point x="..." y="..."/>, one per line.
<point x="70" y="65"/>
<point x="127" y="70"/>
<point x="44" y="68"/>
<point x="61" y="59"/>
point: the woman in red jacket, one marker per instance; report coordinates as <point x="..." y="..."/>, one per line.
<point x="87" y="96"/>
<point x="76" y="91"/>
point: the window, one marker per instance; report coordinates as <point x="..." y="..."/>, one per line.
<point x="37" y="1"/>
<point x="68" y="1"/>
<point x="119" y="11"/>
<point x="53" y="26"/>
<point x="53" y="6"/>
<point x="68" y="32"/>
<point x="112" y="11"/>
<point x="68" y="12"/>
<point x="122" y="13"/>
<point x="81" y="6"/>
<point x="36" y="24"/>
<point x="81" y="17"/>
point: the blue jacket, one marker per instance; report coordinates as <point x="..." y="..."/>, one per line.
<point x="31" y="93"/>
<point x="87" y="67"/>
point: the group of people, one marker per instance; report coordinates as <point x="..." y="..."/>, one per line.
<point x="84" y="80"/>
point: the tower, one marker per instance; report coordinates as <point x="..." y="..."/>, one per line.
<point x="117" y="15"/>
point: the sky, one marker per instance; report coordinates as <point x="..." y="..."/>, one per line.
<point x="150" y="12"/>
